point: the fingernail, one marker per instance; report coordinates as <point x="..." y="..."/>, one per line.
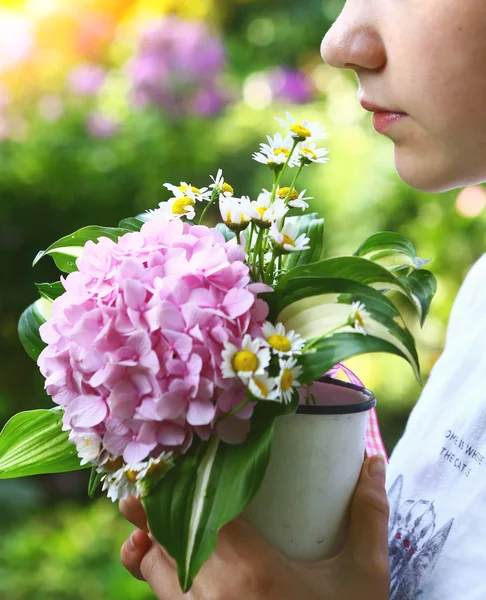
<point x="131" y="543"/>
<point x="377" y="469"/>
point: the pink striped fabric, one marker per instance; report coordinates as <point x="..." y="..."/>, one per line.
<point x="374" y="441"/>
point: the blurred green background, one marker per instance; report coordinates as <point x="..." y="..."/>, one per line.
<point x="101" y="102"/>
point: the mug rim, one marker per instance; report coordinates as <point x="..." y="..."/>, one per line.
<point x="340" y="409"/>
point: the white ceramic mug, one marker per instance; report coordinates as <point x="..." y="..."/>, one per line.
<point x="317" y="454"/>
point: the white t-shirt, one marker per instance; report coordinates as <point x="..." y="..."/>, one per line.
<point x="437" y="474"/>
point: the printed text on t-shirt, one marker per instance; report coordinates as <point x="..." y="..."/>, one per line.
<point x="463" y="455"/>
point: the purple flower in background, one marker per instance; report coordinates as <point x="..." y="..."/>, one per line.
<point x="291" y="85"/>
<point x="178" y="68"/>
<point x="208" y="102"/>
<point x="98" y="125"/>
<point x="86" y="80"/>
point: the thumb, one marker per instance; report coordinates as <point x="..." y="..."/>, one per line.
<point x="368" y="531"/>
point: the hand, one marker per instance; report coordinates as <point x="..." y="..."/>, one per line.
<point x="245" y="567"/>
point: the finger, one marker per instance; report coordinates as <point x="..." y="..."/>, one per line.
<point x="160" y="573"/>
<point x="132" y="509"/>
<point x="368" y="531"/>
<point x="133" y="551"/>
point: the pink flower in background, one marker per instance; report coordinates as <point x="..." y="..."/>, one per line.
<point x="5" y="98"/>
<point x="99" y="125"/>
<point x="86" y="80"/>
<point x="51" y="107"/>
<point x="291" y="85"/>
<point x="135" y="342"/>
<point x="178" y="67"/>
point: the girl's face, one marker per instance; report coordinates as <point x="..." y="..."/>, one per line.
<point x="425" y="58"/>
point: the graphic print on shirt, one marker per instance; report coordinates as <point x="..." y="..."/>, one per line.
<point x="414" y="543"/>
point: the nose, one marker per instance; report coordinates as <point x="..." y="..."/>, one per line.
<point x="354" y="42"/>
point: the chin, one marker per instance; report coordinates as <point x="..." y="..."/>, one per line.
<point x="426" y="173"/>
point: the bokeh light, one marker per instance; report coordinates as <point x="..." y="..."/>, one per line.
<point x="471" y="201"/>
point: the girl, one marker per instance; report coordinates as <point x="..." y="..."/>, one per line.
<point x="421" y="71"/>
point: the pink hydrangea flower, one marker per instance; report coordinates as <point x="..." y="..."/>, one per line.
<point x="135" y="342"/>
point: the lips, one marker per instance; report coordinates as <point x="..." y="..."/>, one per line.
<point x="383" y="118"/>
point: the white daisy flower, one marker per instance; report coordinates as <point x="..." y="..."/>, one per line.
<point x="236" y="212"/>
<point x="266" y="211"/>
<point x="309" y="153"/>
<point x="281" y="342"/>
<point x="219" y="182"/>
<point x="263" y="387"/>
<point x="117" y="485"/>
<point x="276" y="152"/>
<point x="288" y="378"/>
<point x="248" y="361"/>
<point x="288" y="238"/>
<point x="154" y="466"/>
<point x="304" y="130"/>
<point x="358" y="316"/>
<point x="182" y="205"/>
<point x="88" y="446"/>
<point x="121" y="480"/>
<point x="199" y="194"/>
<point x="296" y="199"/>
<point x="157" y="214"/>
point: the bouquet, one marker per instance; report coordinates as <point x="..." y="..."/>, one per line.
<point x="170" y="347"/>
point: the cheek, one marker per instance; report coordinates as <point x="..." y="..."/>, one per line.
<point x="439" y="74"/>
<point x="447" y="82"/>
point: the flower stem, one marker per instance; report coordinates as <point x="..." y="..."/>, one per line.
<point x="214" y="195"/>
<point x="250" y="238"/>
<point x="278" y="176"/>
<point x="270" y="270"/>
<point x="292" y="185"/>
<point x="259" y="254"/>
<point x="318" y="339"/>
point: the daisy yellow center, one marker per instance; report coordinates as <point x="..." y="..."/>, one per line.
<point x="131" y="475"/>
<point x="245" y="361"/>
<point x="359" y="319"/>
<point x="287" y="240"/>
<point x="284" y="192"/>
<point x="262" y="387"/>
<point x="230" y="220"/>
<point x="194" y="190"/>
<point x="114" y="465"/>
<point x="284" y="151"/>
<point x="286" y="380"/>
<point x="227" y="188"/>
<point x="300" y="130"/>
<point x="261" y="210"/>
<point x="280" y="342"/>
<point x="309" y="152"/>
<point x="180" y="205"/>
<point x="154" y="467"/>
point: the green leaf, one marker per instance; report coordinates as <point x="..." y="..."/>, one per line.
<point x="131" y="224"/>
<point x="330" y="351"/>
<point x="33" y="443"/>
<point x="209" y="487"/>
<point x="313" y="227"/>
<point x="423" y="286"/>
<point x="66" y="250"/>
<point x="94" y="482"/>
<point x="50" y="291"/>
<point x="347" y="267"/>
<point x="392" y="250"/>
<point x="315" y="307"/>
<point x="29" y="323"/>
